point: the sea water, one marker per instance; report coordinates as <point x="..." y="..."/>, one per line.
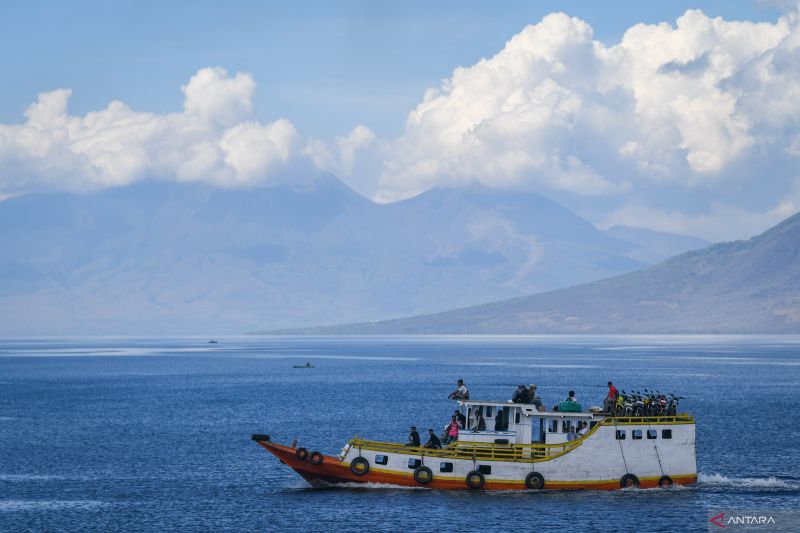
<point x="154" y="434"/>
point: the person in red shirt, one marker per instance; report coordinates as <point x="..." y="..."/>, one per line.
<point x="611" y="399"/>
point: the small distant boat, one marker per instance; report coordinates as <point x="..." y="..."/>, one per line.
<point x="212" y="341"/>
<point x="307" y="365"/>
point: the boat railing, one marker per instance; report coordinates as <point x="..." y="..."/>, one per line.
<point x="681" y="418"/>
<point x="474" y="450"/>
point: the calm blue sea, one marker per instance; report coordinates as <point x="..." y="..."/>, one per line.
<point x="112" y="434"/>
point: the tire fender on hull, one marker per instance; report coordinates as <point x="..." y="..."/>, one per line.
<point x="315" y="458"/>
<point x="423" y="475"/>
<point x="475" y="480"/>
<point x="359" y="466"/>
<point x="534" y="481"/>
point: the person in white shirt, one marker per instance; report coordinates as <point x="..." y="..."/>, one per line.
<point x="583" y="429"/>
<point x="461" y="393"/>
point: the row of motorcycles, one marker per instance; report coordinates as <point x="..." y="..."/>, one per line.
<point x="649" y="403"/>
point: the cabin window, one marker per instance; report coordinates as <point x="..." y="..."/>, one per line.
<point x="620" y="434"/>
<point x="553" y="426"/>
<point x="485" y="469"/>
<point x="666" y="433"/>
<point x="592" y="424"/>
<point x="381" y="459"/>
<point x="652" y="434"/>
<point x="489" y="411"/>
<point x="516" y="418"/>
<point x="445" y="467"/>
<point x="414" y="463"/>
<point x="636" y="434"/>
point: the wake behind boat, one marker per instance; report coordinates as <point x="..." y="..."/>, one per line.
<point x="528" y="449"/>
<point x="307" y="365"/>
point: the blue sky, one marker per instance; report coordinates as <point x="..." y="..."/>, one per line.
<point x="652" y="114"/>
<point x="327" y="66"/>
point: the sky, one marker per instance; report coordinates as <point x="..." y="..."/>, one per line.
<point x="677" y="116"/>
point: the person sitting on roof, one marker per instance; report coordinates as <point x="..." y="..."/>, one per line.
<point x="571" y="397"/>
<point x="534" y="399"/>
<point x="461" y="392"/>
<point x="520" y="395"/>
<point x="413" y="437"/>
<point x="433" y="440"/>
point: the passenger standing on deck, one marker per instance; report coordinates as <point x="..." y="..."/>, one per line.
<point x="451" y="433"/>
<point x="498" y="421"/>
<point x="480" y="423"/>
<point x="433" y="440"/>
<point x="611" y="399"/>
<point x="462" y="420"/>
<point x="461" y="392"/>
<point x="413" y="437"/>
<point x="571" y="433"/>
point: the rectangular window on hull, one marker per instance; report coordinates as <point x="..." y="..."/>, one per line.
<point x="414" y="463"/>
<point x="485" y="469"/>
<point x="445" y="467"/>
<point x="620" y="434"/>
<point x="666" y="433"/>
<point x="636" y="434"/>
<point x="652" y="434"/>
<point x="381" y="459"/>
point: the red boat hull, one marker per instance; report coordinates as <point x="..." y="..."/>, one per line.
<point x="331" y="471"/>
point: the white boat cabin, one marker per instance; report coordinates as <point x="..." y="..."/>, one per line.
<point x="520" y="423"/>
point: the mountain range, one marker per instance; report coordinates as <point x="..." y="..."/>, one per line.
<point x="750" y="286"/>
<point x="162" y="257"/>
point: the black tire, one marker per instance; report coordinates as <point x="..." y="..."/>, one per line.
<point x="359" y="466"/>
<point x="628" y="481"/>
<point x="534" y="481"/>
<point x="301" y="453"/>
<point x="423" y="475"/>
<point x="665" y="482"/>
<point x="315" y="458"/>
<point x="475" y="480"/>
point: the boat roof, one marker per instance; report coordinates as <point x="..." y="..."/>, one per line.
<point x="530" y="409"/>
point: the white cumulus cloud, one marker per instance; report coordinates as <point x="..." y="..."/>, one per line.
<point x="215" y="139"/>
<point x="556" y="109"/>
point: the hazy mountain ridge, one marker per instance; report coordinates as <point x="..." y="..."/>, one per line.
<point x="748" y="286"/>
<point x="160" y="257"/>
<point x="655" y="246"/>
